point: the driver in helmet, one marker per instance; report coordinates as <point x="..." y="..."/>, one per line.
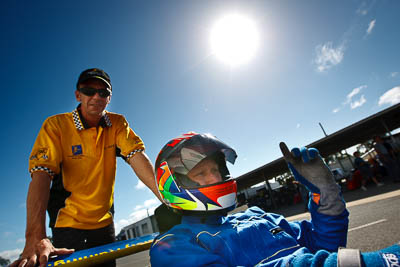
<point x="193" y="180"/>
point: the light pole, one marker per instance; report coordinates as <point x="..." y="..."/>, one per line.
<point x="322" y="129"/>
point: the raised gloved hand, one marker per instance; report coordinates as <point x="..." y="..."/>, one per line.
<point x="309" y="169"/>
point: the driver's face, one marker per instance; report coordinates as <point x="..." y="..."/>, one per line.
<point x="205" y="173"/>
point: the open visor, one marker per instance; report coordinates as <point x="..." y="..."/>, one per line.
<point x="193" y="150"/>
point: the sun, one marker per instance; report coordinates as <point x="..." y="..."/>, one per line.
<point x="234" y="39"/>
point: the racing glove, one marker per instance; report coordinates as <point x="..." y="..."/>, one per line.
<point x="308" y="168"/>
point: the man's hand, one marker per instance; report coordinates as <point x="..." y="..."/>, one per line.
<point x="38" y="253"/>
<point x="309" y="169"/>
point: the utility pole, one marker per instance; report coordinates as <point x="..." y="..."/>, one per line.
<point x="322" y="129"/>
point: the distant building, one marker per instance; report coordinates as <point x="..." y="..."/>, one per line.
<point x="253" y="190"/>
<point x="140" y="228"/>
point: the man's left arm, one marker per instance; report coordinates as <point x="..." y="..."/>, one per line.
<point x="144" y="170"/>
<point x="131" y="147"/>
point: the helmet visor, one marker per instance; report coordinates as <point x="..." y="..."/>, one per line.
<point x="195" y="150"/>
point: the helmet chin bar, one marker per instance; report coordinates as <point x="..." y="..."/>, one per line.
<point x="210" y="212"/>
<point x="214" y="198"/>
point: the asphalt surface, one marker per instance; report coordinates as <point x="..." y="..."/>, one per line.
<point x="374" y="220"/>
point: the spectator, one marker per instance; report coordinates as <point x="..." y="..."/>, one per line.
<point x="365" y="171"/>
<point x="387" y="157"/>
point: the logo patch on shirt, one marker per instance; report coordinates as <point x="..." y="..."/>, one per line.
<point x="41" y="153"/>
<point x="77" y="150"/>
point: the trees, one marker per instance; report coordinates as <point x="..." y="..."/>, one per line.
<point x="4" y="262"/>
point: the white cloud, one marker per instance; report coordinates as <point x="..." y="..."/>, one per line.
<point x="355" y="103"/>
<point x="20" y="241"/>
<point x="140" y="212"/>
<point x="328" y="56"/>
<point x="11" y="254"/>
<point x="353" y="93"/>
<point x="371" y="26"/>
<point x="148" y="203"/>
<point x="358" y="103"/>
<point x="394" y="74"/>
<point x="140" y="185"/>
<point x="350" y="99"/>
<point x="298" y="126"/>
<point x="120" y="224"/>
<point x="151" y="202"/>
<point x="391" y="97"/>
<point x="139" y="207"/>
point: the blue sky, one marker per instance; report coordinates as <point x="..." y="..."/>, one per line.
<point x="333" y="62"/>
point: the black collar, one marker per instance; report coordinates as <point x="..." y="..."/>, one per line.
<point x="81" y="124"/>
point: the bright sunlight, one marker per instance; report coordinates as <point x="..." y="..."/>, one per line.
<point x="234" y="39"/>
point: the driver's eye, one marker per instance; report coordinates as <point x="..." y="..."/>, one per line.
<point x="200" y="174"/>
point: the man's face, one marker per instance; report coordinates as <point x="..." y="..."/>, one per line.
<point x="205" y="173"/>
<point x="92" y="105"/>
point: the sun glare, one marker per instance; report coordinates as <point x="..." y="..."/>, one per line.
<point x="234" y="39"/>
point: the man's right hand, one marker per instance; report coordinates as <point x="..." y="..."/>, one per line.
<point x="38" y="252"/>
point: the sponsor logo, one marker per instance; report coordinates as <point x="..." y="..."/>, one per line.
<point x="41" y="153"/>
<point x="77" y="150"/>
<point x="391" y="260"/>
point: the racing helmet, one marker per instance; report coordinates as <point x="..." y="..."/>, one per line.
<point x="182" y="154"/>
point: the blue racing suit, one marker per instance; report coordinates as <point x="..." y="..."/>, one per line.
<point x="250" y="238"/>
<point x="256" y="238"/>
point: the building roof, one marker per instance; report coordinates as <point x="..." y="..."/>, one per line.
<point x="359" y="132"/>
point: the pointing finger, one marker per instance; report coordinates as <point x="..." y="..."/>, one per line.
<point x="285" y="151"/>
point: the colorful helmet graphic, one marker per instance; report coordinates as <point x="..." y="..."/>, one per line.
<point x="182" y="154"/>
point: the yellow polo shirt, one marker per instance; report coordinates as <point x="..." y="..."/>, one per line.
<point x="82" y="164"/>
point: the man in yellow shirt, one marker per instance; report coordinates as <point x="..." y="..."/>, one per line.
<point x="73" y="166"/>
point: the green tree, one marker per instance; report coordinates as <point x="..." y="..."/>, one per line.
<point x="4" y="262"/>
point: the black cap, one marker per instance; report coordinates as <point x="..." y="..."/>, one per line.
<point x="94" y="74"/>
